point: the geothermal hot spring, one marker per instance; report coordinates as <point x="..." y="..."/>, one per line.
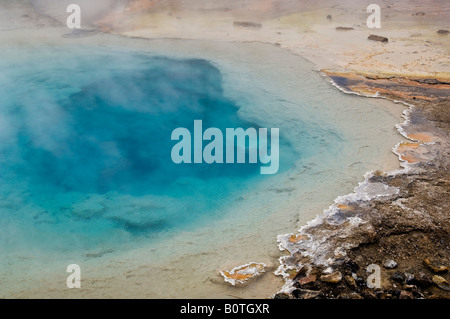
<point x="87" y="178"/>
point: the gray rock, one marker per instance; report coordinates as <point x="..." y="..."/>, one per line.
<point x="344" y="28"/>
<point x="410" y="279"/>
<point x="246" y="24"/>
<point x="390" y="264"/>
<point x="374" y="37"/>
<point x="398" y="277"/>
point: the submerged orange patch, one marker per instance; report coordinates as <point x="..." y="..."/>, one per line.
<point x="243" y="273"/>
<point x="421" y="137"/>
<point x="296" y="238"/>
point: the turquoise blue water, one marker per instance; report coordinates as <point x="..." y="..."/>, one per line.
<point x="85" y="148"/>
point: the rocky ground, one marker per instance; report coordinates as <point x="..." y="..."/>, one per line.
<point x="410" y="243"/>
<point x="407" y="235"/>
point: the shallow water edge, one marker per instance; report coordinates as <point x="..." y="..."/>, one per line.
<point x="118" y="262"/>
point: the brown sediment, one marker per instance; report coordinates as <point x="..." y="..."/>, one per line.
<point x="417" y="88"/>
<point x="410" y="227"/>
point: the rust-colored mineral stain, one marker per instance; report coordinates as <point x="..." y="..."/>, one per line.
<point x="237" y="276"/>
<point x="390" y="84"/>
<point x="402" y="94"/>
<point x="410" y="159"/>
<point x="296" y="238"/>
<point x="408" y="145"/>
<point x="406" y="149"/>
<point x="364" y="90"/>
<point x="421" y="137"/>
<point x="345" y="207"/>
<point x="241" y="274"/>
<point x="403" y="147"/>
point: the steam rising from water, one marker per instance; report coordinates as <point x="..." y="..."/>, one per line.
<point x="86" y="146"/>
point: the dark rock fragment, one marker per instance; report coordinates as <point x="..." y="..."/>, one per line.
<point x="351" y="265"/>
<point x="398" y="277"/>
<point x="422" y="280"/>
<point x="351" y="282"/>
<point x="281" y="295"/>
<point x="344" y="28"/>
<point x="246" y="24"/>
<point x="306" y="294"/>
<point x="381" y="39"/>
